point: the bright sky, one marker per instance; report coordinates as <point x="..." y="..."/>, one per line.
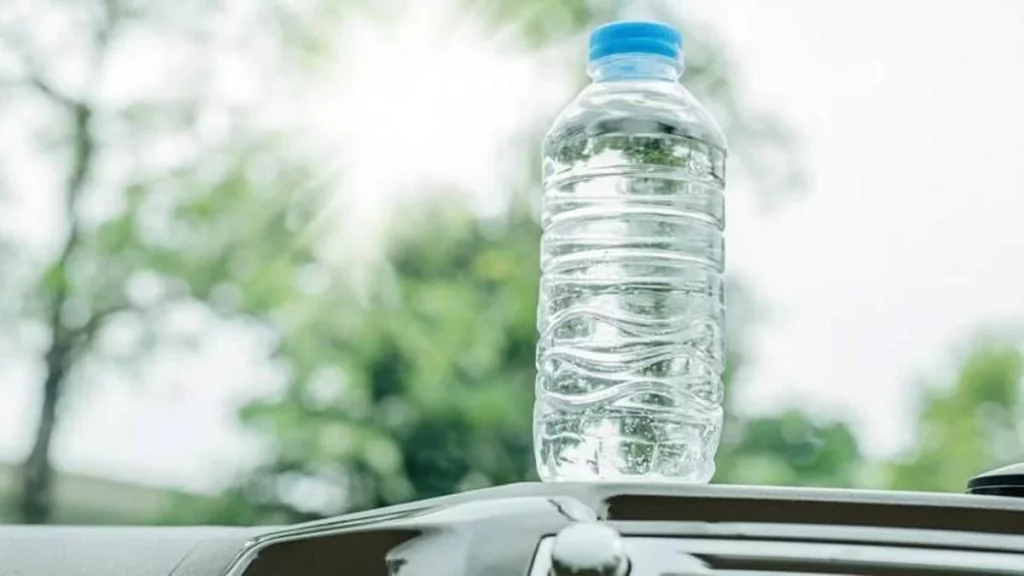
<point x="906" y="242"/>
<point x="909" y="239"/>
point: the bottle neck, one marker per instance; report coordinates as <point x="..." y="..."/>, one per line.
<point x="635" y="67"/>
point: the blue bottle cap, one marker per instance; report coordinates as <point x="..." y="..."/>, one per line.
<point x="635" y="38"/>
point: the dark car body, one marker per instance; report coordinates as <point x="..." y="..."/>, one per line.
<point x="511" y="530"/>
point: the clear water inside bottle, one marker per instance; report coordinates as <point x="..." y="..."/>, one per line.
<point x="631" y="314"/>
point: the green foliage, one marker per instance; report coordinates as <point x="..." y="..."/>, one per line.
<point x="426" y="386"/>
<point x="540" y="21"/>
<point x="790" y="449"/>
<point x="969" y="425"/>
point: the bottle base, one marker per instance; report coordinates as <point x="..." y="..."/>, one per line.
<point x="626" y="447"/>
<point x="703" y="477"/>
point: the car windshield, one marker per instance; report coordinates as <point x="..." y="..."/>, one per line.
<point x="264" y="262"/>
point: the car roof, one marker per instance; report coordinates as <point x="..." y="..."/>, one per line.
<point x="499" y="531"/>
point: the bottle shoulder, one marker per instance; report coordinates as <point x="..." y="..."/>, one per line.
<point x="664" y="106"/>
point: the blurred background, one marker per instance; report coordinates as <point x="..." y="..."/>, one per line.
<point x="269" y="261"/>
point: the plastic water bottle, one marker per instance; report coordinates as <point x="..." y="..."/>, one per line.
<point x="631" y="315"/>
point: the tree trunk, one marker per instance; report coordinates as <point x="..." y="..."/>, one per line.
<point x="36" y="498"/>
<point x="36" y="505"/>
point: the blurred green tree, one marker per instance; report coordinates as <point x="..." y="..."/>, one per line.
<point x="155" y="210"/>
<point x="969" y="425"/>
<point x="790" y="449"/>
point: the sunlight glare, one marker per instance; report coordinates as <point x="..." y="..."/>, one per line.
<point x="420" y="101"/>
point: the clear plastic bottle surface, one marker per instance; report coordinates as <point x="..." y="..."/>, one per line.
<point x="631" y="314"/>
